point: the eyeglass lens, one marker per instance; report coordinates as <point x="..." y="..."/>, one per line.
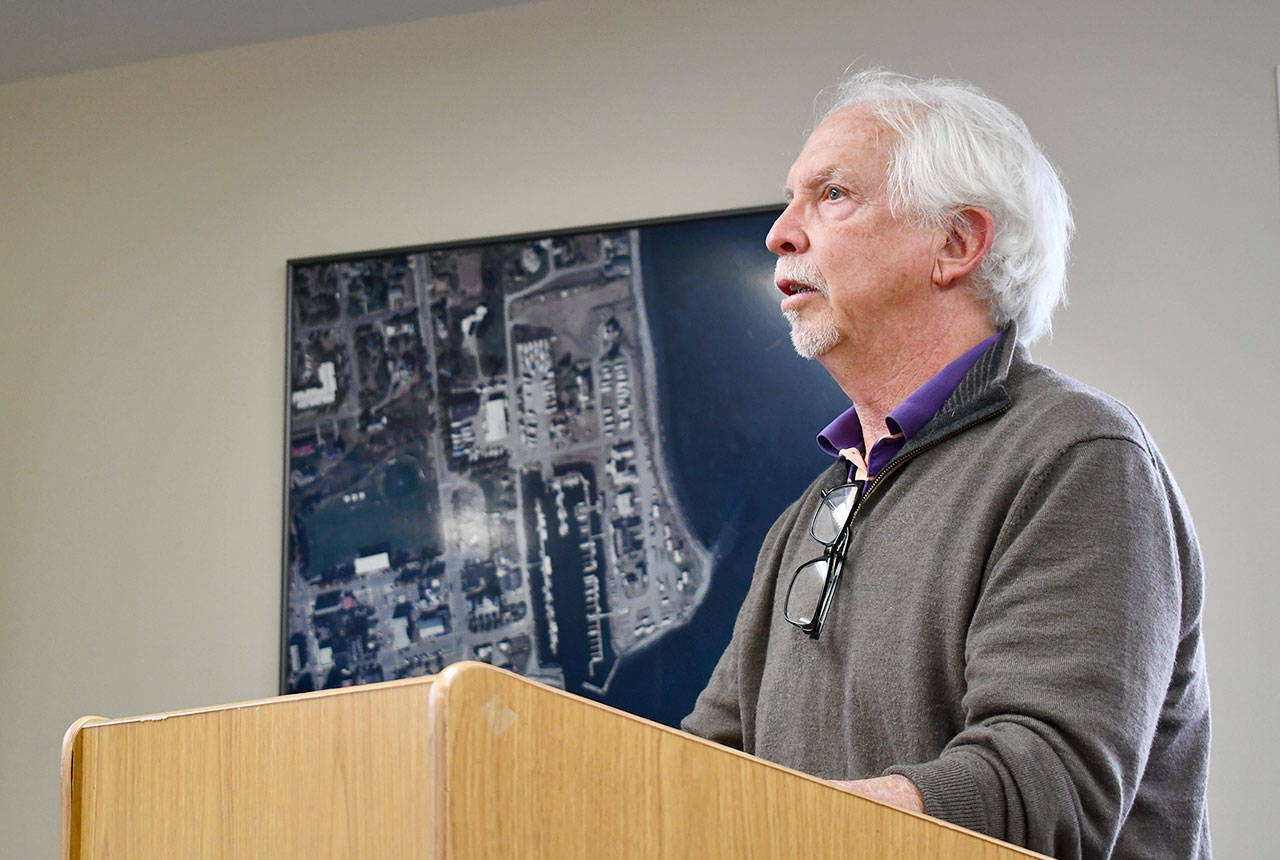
<point x="832" y="512"/>
<point x="806" y="592"/>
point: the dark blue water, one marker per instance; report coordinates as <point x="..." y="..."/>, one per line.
<point x="739" y="412"/>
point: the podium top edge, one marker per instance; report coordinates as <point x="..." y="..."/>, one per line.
<point x="89" y="722"/>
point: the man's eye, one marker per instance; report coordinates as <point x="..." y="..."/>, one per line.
<point x="833" y="193"/>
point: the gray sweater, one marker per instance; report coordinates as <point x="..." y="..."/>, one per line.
<point x="1017" y="629"/>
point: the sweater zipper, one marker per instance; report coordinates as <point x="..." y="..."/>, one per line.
<point x="896" y="463"/>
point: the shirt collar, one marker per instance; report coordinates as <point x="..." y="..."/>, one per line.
<point x="909" y="416"/>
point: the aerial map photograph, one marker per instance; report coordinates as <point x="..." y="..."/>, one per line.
<point x="556" y="454"/>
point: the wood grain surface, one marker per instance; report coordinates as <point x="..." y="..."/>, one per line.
<point x="336" y="774"/>
<point x="474" y="763"/>
<point x="528" y="771"/>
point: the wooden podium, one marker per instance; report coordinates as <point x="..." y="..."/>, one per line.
<point x="473" y="762"/>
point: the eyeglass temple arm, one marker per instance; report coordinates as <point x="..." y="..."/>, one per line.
<point x="837" y="551"/>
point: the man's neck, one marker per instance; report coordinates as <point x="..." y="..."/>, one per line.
<point x="878" y="379"/>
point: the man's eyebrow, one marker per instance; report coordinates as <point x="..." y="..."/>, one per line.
<point x="833" y="173"/>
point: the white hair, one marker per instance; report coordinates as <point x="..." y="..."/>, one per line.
<point x="958" y="147"/>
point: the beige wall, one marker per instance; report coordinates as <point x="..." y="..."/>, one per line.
<point x="147" y="212"/>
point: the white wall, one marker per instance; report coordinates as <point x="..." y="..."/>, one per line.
<point x="148" y="210"/>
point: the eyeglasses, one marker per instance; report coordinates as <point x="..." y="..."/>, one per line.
<point x="813" y="585"/>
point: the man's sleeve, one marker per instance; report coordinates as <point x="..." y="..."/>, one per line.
<point x="1068" y="657"/>
<point x="716" y="715"/>
<point x="725" y="709"/>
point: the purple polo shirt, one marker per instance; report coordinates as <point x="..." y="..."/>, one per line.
<point x="905" y="420"/>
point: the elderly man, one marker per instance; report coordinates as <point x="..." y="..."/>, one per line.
<point x="988" y="607"/>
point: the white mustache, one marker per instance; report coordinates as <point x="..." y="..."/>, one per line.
<point x="800" y="270"/>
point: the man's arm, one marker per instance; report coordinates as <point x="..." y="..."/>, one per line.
<point x="718" y="715"/>
<point x="1068" y="658"/>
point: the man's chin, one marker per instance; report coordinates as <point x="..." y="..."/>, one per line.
<point x="812" y="339"/>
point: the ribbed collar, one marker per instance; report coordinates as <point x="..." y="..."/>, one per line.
<point x="979" y="394"/>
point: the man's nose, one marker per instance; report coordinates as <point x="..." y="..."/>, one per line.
<point x="786" y="235"/>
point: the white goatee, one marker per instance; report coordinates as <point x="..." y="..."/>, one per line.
<point x="813" y="337"/>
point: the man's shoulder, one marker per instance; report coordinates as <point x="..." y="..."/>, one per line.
<point x="1057" y="409"/>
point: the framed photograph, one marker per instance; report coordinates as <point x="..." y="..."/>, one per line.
<point x="555" y="452"/>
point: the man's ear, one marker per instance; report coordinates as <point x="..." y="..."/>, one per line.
<point x="967" y="242"/>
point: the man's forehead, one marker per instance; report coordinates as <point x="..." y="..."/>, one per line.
<point x="850" y="145"/>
